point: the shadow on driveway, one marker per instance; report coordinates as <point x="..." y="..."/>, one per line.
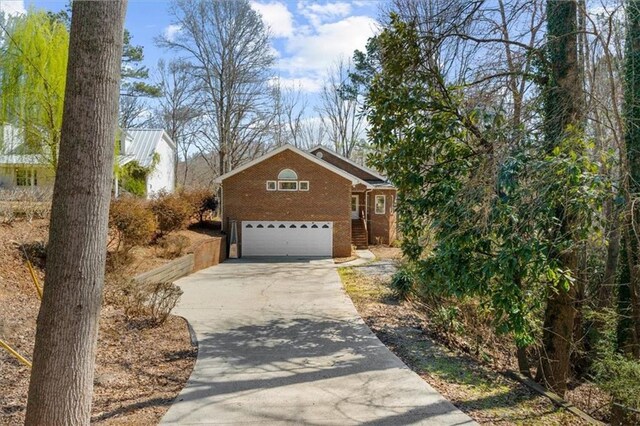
<point x="282" y="343"/>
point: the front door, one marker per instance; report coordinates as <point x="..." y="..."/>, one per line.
<point x="355" y="210"/>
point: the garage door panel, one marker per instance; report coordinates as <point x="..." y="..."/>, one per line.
<point x="287" y="238"/>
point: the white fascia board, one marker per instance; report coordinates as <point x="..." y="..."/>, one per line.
<point x="354" y="180"/>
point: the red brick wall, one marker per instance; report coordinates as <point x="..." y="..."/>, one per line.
<point x="382" y="227"/>
<point x="245" y="197"/>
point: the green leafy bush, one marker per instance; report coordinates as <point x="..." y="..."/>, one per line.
<point x="172" y="212"/>
<point x="620" y="376"/>
<point x="402" y="283"/>
<point x="133" y="176"/>
<point x="132" y="223"/>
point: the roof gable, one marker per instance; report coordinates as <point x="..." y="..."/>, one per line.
<point x="370" y="173"/>
<point x="353" y="179"/>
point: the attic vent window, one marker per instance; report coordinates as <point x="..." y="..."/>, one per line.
<point x="319" y="154"/>
<point x="287" y="174"/>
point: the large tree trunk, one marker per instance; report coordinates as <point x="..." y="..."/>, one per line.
<point x="563" y="111"/>
<point x="632" y="144"/>
<point x="557" y="336"/>
<point x="61" y="384"/>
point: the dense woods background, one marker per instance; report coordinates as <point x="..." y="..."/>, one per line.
<point x="510" y="128"/>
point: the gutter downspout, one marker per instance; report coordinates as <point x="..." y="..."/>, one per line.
<point x="116" y="186"/>
<point x="220" y="204"/>
<point x="366" y="212"/>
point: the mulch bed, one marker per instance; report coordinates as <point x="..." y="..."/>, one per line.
<point x="139" y="370"/>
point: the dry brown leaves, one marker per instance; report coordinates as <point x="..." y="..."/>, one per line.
<point x="139" y="371"/>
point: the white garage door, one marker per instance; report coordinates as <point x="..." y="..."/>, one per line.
<point x="271" y="238"/>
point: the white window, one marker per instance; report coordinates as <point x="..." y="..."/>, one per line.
<point x="26" y="177"/>
<point x="286" y="185"/>
<point x="287" y="174"/>
<point x="304" y="185"/>
<point x="381" y="202"/>
<point x="271" y="185"/>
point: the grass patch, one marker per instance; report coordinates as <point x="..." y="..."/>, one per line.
<point x="361" y="288"/>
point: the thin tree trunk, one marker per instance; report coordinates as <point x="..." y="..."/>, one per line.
<point x="61" y="383"/>
<point x="523" y="361"/>
<point x="605" y="291"/>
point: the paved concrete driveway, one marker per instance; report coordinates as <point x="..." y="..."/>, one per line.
<point x="281" y="343"/>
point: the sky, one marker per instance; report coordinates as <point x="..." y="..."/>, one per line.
<point x="308" y="37"/>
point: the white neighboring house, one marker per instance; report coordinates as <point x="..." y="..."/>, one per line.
<point x="142" y="145"/>
<point x="19" y="169"/>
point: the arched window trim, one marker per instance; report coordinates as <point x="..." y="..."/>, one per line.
<point x="287" y="174"/>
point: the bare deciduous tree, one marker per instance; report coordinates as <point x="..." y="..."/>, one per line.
<point x="179" y="109"/>
<point x="228" y="48"/>
<point x="289" y="106"/>
<point x="312" y="132"/>
<point x="61" y="383"/>
<point x="339" y="111"/>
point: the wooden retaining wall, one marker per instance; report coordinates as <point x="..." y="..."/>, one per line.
<point x="208" y="253"/>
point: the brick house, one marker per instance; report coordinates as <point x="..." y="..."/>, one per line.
<point x="291" y="202"/>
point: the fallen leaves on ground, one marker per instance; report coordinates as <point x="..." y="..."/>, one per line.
<point x="139" y="371"/>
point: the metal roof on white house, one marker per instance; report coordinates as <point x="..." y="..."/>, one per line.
<point x="21" y="160"/>
<point x="141" y="144"/>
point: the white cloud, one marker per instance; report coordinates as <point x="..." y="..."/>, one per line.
<point x="315" y="52"/>
<point x="318" y="14"/>
<point x="339" y="9"/>
<point x="12" y="7"/>
<point x="171" y="31"/>
<point x="276" y="16"/>
<point x="304" y="84"/>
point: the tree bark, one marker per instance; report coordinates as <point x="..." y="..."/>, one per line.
<point x="557" y="336"/>
<point x="562" y="111"/>
<point x="632" y="144"/>
<point x="523" y="361"/>
<point x="61" y="383"/>
<point x="605" y="291"/>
